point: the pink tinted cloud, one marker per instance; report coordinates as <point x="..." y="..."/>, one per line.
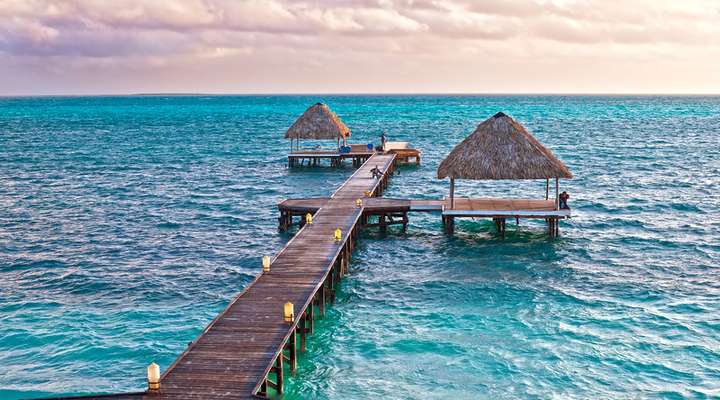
<point x="409" y="38"/>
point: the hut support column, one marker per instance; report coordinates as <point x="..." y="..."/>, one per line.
<point x="452" y="193"/>
<point x="557" y="193"/>
<point x="547" y="189"/>
<point x="554" y="227"/>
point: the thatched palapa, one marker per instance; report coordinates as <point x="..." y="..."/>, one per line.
<point x="318" y="123"/>
<point x="501" y="148"/>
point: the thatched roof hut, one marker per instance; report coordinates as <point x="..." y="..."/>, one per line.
<point x="318" y="123"/>
<point x="501" y="148"/>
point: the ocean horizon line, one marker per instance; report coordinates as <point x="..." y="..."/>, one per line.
<point x="349" y="94"/>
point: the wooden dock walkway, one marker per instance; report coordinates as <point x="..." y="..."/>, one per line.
<point x="244" y="352"/>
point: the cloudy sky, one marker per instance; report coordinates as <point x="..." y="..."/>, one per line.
<point x="359" y="46"/>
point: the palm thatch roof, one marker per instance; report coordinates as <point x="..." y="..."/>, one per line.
<point x="501" y="148"/>
<point x="318" y="122"/>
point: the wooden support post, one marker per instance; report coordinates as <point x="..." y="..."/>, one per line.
<point x="552" y="222"/>
<point x="338" y="269"/>
<point x="452" y="193"/>
<point x="557" y="193"/>
<point x="293" y="351"/>
<point x="302" y="327"/>
<point x="263" y="389"/>
<point x="333" y="279"/>
<point x="383" y="225"/>
<point x="348" y="256"/>
<point x="310" y="320"/>
<point x="342" y="264"/>
<point x="547" y="189"/>
<point x="322" y="301"/>
<point x="279" y="373"/>
<point x="449" y="225"/>
<point x="551" y="227"/>
<point x="405" y="221"/>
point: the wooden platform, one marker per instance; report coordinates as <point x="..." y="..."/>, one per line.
<point x="314" y="158"/>
<point x="359" y="153"/>
<point x="374" y="204"/>
<point x="394" y="211"/>
<point x="488" y="207"/>
<point x="495" y="207"/>
<point x="501" y="209"/>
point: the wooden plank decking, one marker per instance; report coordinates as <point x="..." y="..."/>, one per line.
<point x="483" y="207"/>
<point x="501" y="208"/>
<point x="236" y="352"/>
<point x="373" y="204"/>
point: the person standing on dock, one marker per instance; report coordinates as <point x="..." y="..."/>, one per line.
<point x="564" y="196"/>
<point x="376" y="172"/>
<point x="383" y="140"/>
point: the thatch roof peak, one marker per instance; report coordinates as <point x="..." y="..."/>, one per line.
<point x="501" y="148"/>
<point x="318" y="122"/>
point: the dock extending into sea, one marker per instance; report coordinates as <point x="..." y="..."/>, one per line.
<point x="245" y="351"/>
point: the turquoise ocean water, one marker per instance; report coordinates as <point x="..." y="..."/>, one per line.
<point x="128" y="223"/>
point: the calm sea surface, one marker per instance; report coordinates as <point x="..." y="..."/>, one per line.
<point x="128" y="223"/>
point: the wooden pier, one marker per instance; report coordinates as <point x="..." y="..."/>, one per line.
<point x="395" y="211"/>
<point x="359" y="153"/>
<point x="243" y="352"/>
<point x="246" y="350"/>
<point x="313" y="158"/>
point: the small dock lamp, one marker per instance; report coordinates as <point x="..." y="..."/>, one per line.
<point x="153" y="376"/>
<point x="289" y="312"/>
<point x="368" y="193"/>
<point x="338" y="235"/>
<point x="308" y="218"/>
<point x="358" y="203"/>
<point x="266" y="264"/>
